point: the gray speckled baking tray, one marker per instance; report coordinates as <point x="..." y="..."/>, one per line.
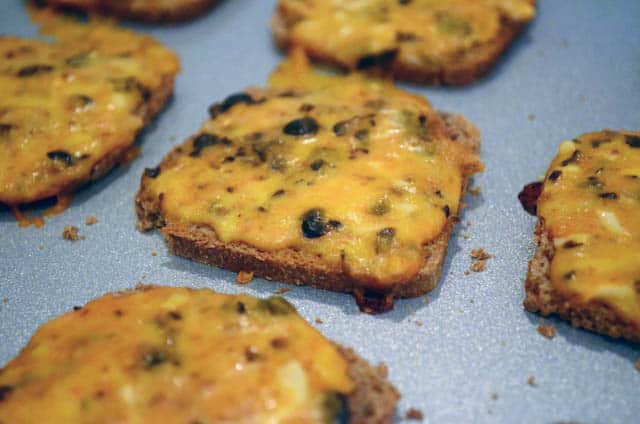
<point x="463" y="353"/>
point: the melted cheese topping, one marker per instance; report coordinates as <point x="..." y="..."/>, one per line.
<point x="67" y="105"/>
<point x="591" y="206"/>
<point x="423" y="32"/>
<point x="373" y="179"/>
<point x="175" y="355"/>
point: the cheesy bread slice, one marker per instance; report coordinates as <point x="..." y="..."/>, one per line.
<point x="338" y="182"/>
<point x="178" y="355"/>
<point x="71" y="108"/>
<point x="587" y="265"/>
<point x="144" y="10"/>
<point x="424" y="41"/>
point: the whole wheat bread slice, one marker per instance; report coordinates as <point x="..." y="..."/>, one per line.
<point x="200" y="243"/>
<point x="461" y="68"/>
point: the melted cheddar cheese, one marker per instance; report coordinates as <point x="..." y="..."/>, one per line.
<point x="590" y="205"/>
<point x="422" y="33"/>
<point x="175" y="355"/>
<point x="349" y="170"/>
<point x="69" y="104"/>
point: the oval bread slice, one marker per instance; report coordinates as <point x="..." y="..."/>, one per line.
<point x="177" y="355"/>
<point x="143" y="10"/>
<point x="71" y="108"/>
<point x="424" y="41"/>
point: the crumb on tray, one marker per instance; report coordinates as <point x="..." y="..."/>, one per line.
<point x="531" y="381"/>
<point x="70" y="232"/>
<point x="548" y="331"/>
<point x="282" y="290"/>
<point x="414" y="414"/>
<point x="637" y="365"/>
<point x="91" y="220"/>
<point x="475" y="191"/>
<point x="479" y="260"/>
<point x="244" y="277"/>
<point x="319" y="321"/>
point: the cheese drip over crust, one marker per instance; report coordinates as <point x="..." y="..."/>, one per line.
<point x="175" y="355"/>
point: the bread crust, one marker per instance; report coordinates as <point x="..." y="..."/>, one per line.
<point x="200" y="243"/>
<point x="374" y="399"/>
<point x="541" y="297"/>
<point x="181" y="10"/>
<point x="476" y="62"/>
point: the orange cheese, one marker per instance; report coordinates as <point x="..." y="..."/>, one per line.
<point x="67" y="105"/>
<point x="590" y="204"/>
<point x="175" y="355"/>
<point x="370" y="180"/>
<point x="423" y="32"/>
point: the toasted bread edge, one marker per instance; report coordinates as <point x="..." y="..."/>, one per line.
<point x="541" y="297"/>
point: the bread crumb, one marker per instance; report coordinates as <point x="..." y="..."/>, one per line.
<point x="419" y="323"/>
<point x="475" y="191"/>
<point x="531" y="381"/>
<point x="91" y="220"/>
<point x="70" y="232"/>
<point x="531" y="117"/>
<point x="41" y="247"/>
<point x="154" y="254"/>
<point x="282" y="290"/>
<point x="494" y="396"/>
<point x="479" y="260"/>
<point x="414" y="414"/>
<point x="480" y="254"/>
<point x="466" y="236"/>
<point x="319" y="321"/>
<point x="6" y="300"/>
<point x="478" y="266"/>
<point x="548" y="331"/>
<point x="244" y="277"/>
<point x="637" y="365"/>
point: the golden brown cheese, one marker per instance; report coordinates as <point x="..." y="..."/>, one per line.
<point x="590" y="204"/>
<point x="354" y="171"/>
<point x="422" y="33"/>
<point x="175" y="355"/>
<point x="68" y="105"/>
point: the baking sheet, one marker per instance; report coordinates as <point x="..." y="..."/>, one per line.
<point x="465" y="352"/>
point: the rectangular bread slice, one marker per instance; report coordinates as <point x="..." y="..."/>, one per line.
<point x="586" y="267"/>
<point x="203" y="194"/>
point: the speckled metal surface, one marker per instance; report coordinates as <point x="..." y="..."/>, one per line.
<point x="465" y="352"/>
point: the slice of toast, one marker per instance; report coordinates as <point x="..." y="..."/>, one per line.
<point x="587" y="266"/>
<point x="178" y="355"/>
<point x="422" y="41"/>
<point x="340" y="183"/>
<point x="71" y="109"/>
<point x="142" y="10"/>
